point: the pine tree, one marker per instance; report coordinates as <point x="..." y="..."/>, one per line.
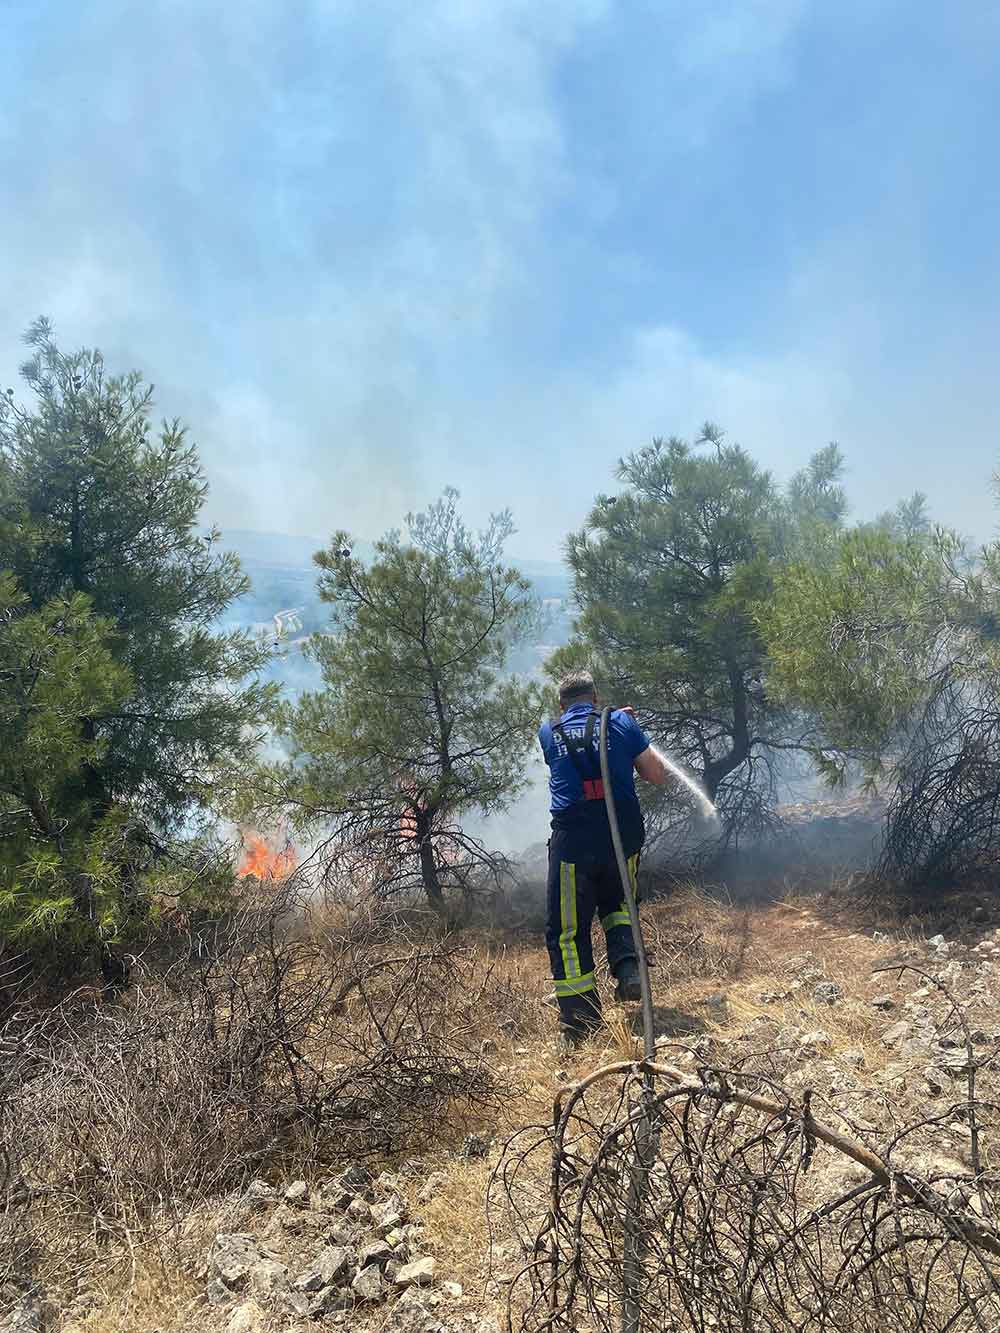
<point x="99" y="536"/>
<point x="417" y="725"/>
<point x="667" y="574"/>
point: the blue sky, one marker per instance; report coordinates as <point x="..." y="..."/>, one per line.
<point x="368" y="249"/>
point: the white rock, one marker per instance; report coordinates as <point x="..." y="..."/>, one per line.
<point x="233" y="1256"/>
<point x="332" y="1265"/>
<point x="389" y="1215"/>
<point x="934" y="1079"/>
<point x="297" y="1194"/>
<point x="246" y="1318"/>
<point x="268" y="1277"/>
<point x="377" y="1252"/>
<point x="27" y="1316"/>
<point x="217" y="1293"/>
<point x="368" y="1285"/>
<point x="259" y="1193"/>
<point x="421" y="1273"/>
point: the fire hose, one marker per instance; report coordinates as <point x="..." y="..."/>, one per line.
<point x="648" y="1038"/>
<point x="645" y="1141"/>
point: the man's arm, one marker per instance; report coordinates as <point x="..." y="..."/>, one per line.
<point x="650" y="765"/>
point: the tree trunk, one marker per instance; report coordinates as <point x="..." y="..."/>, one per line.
<point x="739" y="751"/>
<point x="428" y="866"/>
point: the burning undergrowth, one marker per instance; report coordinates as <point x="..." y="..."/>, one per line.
<point x="267" y="858"/>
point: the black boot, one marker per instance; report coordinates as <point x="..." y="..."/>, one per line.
<point x="628" y="990"/>
<point x="579" y="1017"/>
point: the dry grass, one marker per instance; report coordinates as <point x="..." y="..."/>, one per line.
<point x="154" y="1299"/>
<point x="713" y="961"/>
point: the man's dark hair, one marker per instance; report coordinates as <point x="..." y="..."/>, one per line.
<point x="576" y="685"/>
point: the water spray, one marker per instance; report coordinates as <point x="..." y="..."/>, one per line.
<point x="707" y="807"/>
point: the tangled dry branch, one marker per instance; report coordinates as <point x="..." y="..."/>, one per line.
<point x="664" y="1201"/>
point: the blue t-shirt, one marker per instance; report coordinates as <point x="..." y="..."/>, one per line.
<point x="586" y="822"/>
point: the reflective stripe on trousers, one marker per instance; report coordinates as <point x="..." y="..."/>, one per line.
<point x="576" y="891"/>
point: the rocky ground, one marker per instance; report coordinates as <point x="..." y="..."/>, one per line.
<point x="346" y="1249"/>
<point x="882" y="1019"/>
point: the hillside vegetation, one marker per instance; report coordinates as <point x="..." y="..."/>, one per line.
<point x="317" y="1084"/>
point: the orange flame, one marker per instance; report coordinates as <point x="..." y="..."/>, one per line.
<point x="264" y="862"/>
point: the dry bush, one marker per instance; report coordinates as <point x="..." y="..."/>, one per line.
<point x="942" y="826"/>
<point x="719" y="1200"/>
<point x="270" y="1044"/>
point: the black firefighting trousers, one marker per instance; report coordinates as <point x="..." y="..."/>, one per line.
<point x="576" y="890"/>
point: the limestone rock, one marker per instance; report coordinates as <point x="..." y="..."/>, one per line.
<point x="332" y="1265"/>
<point x="268" y="1277"/>
<point x="316" y="1304"/>
<point x="217" y="1293"/>
<point x="934" y="1080"/>
<point x="421" y="1273"/>
<point x="338" y="1233"/>
<point x="26" y="1316"/>
<point x="246" y="1318"/>
<point x="389" y="1216"/>
<point x="377" y="1252"/>
<point x="259" y="1194"/>
<point x="297" y="1194"/>
<point x="232" y="1258"/>
<point x="368" y="1285"/>
<point x="411" y="1315"/>
<point x="432" y="1186"/>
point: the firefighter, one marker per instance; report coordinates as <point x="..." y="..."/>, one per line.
<point x="583" y="873"/>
